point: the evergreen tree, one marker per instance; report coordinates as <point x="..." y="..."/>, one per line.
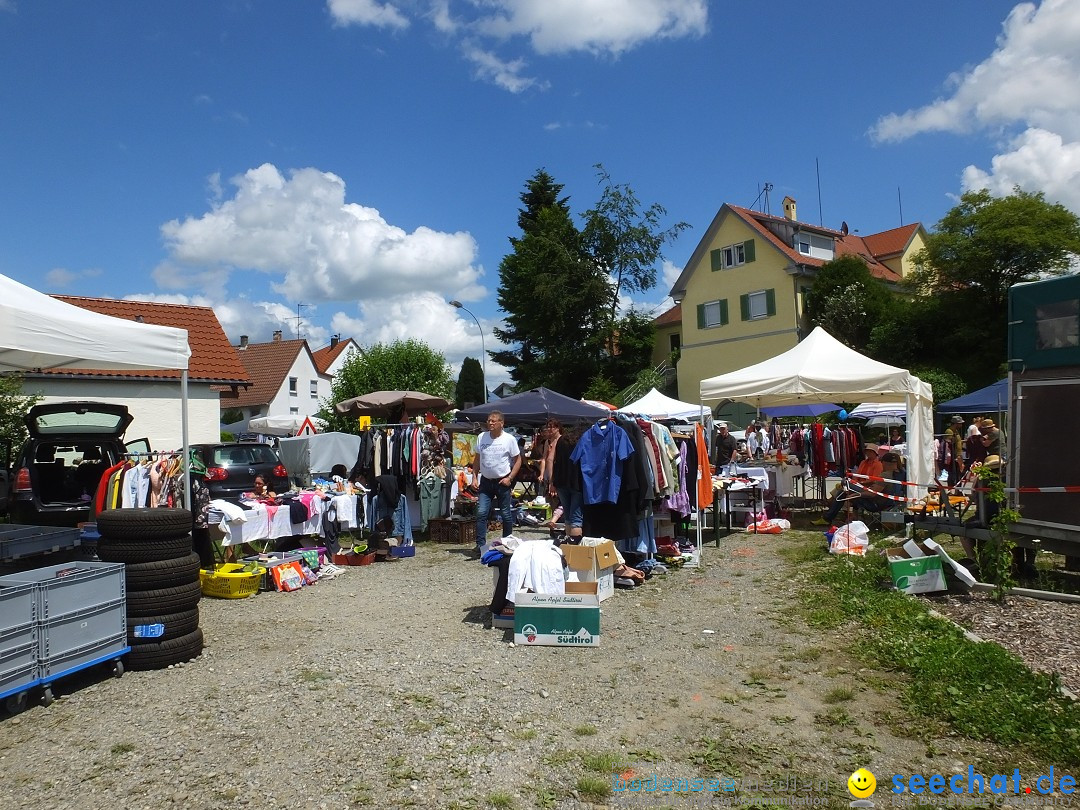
<point x="470" y="384"/>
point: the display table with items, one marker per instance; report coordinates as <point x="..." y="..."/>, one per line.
<point x="261" y="522"/>
<point x="739" y="491"/>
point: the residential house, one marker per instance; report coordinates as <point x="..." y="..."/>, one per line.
<point x="329" y="359"/>
<point x="285" y="380"/>
<point x="153" y="396"/>
<point x="743" y="290"/>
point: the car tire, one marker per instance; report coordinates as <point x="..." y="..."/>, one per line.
<point x="163" y="573"/>
<point x="174" y="625"/>
<point x="144" y="523"/>
<point x="158" y="655"/>
<point x="163" y="600"/>
<point x="144" y="551"/>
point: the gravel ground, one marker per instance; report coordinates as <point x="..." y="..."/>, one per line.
<point x="387" y="687"/>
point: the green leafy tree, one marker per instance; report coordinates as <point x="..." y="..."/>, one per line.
<point x="230" y="415"/>
<point x="946" y="385"/>
<point x="847" y="301"/>
<point x="635" y="335"/>
<point x="553" y="296"/>
<point x="986" y="244"/>
<point x="470" y="383"/>
<point x="404" y="365"/>
<point x="14" y="405"/>
<point x="601" y="388"/>
<point x="626" y="239"/>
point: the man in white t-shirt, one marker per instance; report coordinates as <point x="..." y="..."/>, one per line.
<point x="497" y="462"/>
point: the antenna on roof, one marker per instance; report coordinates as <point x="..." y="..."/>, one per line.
<point x="900" y="203"/>
<point x="298" y="319"/>
<point x="820" y="217"/>
<point x="763" y="192"/>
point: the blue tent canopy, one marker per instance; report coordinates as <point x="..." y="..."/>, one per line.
<point x="814" y="409"/>
<point x="535" y="407"/>
<point x="992" y="399"/>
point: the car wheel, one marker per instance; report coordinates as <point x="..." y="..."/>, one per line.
<point x="145" y="551"/>
<point x="173" y="625"/>
<point x="144" y="523"/>
<point x="163" y="573"/>
<point x="165" y="653"/>
<point x="162" y="600"/>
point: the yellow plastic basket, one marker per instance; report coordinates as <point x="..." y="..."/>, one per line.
<point x="231" y="581"/>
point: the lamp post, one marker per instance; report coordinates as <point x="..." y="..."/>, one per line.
<point x="483" y="351"/>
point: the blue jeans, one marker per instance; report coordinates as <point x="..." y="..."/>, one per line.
<point x="493" y="491"/>
<point x="573" y="504"/>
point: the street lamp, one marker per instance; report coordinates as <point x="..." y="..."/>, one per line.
<point x="483" y="351"/>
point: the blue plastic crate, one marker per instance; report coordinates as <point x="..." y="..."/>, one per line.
<point x="71" y="661"/>
<point x="402" y="551"/>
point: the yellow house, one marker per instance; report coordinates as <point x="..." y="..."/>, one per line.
<point x="741" y="297"/>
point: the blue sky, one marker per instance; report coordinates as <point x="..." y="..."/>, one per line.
<point x="365" y="157"/>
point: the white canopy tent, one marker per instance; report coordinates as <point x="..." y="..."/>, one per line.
<point x="822" y="369"/>
<point x="285" y="425"/>
<point x="660" y="406"/>
<point x="39" y="332"/>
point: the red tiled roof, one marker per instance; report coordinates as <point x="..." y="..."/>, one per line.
<point x="671" y="316"/>
<point x="325" y="356"/>
<point x="213" y="359"/>
<point x="850" y="244"/>
<point x="266" y="364"/>
<point x="892" y="242"/>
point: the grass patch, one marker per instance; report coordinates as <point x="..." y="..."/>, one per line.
<point x="585" y="730"/>
<point x="839" y="694"/>
<point x="604" y="762"/>
<point x="715" y="756"/>
<point x="983" y="691"/>
<point x="122" y="748"/>
<point x="594" y="788"/>
<point x="501" y="801"/>
<point x="523" y="734"/>
<point x="805" y="552"/>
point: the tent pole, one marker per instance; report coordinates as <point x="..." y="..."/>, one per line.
<point x="189" y="501"/>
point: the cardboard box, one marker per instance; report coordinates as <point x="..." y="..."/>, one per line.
<point x="915" y="574"/>
<point x="593" y="563"/>
<point x="558" y="620"/>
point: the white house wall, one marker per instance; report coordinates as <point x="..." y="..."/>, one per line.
<point x="306" y="404"/>
<point x="340" y="361"/>
<point x="156" y="406"/>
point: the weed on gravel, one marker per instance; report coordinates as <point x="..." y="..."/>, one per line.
<point x="981" y="690"/>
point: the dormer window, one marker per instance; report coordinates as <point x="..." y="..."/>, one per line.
<point x="815" y="245"/>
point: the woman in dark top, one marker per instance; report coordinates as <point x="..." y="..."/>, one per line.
<point x="564" y="483"/>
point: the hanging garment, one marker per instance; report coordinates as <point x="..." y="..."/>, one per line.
<point x="600" y="453"/>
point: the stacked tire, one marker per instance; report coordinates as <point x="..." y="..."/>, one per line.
<point x="163" y="588"/>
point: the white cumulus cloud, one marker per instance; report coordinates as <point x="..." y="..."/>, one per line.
<point x="366" y="12"/>
<point x="504" y="74"/>
<point x="1026" y="92"/>
<point x="317" y="247"/>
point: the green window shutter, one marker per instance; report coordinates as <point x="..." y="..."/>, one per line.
<point x="700" y="316"/>
<point x="716" y="259"/>
<point x="723" y="311"/>
<point x="744" y="307"/>
<point x="748" y="250"/>
<point x="770" y="302"/>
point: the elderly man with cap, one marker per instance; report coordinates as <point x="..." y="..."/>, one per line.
<point x="724" y="446"/>
<point x="954" y="440"/>
<point x="870" y="466"/>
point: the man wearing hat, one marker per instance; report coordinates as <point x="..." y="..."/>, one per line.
<point x="724" y="446"/>
<point x="991" y="437"/>
<point x="954" y="439"/>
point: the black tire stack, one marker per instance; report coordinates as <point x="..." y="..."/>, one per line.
<point x="162" y="581"/>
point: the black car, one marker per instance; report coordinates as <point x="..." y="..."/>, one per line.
<point x="57" y="471"/>
<point x="232" y="467"/>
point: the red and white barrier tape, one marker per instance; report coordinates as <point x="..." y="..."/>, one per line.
<point x="1070" y="489"/>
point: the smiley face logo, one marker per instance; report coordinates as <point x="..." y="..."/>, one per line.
<point x="861" y="784"/>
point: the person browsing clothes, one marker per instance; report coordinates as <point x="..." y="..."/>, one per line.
<point x="497" y="462"/>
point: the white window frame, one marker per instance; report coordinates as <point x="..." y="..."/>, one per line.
<point x="758" y="295"/>
<point x="293" y="383"/>
<point x="294" y="411"/>
<point x="715" y="308"/>
<point x="733" y="255"/>
<point x="314" y="389"/>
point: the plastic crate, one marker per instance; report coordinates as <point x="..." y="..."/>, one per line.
<point x="61" y="634"/>
<point x="231" y="581"/>
<point x="402" y="551"/>
<point x="85" y="656"/>
<point x="451" y="530"/>
<point x="18" y="677"/>
<point x="70" y="587"/>
<point x="25" y="541"/>
<point x="18" y="607"/>
<point x="272" y="558"/>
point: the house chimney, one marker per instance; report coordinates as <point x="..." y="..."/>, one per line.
<point x="789" y="209"/>
<point x="243" y="342"/>
<point x="277" y="335"/>
<point x="334" y="340"/>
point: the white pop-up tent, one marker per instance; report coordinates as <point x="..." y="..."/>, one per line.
<point x="284" y="425"/>
<point x="822" y="369"/>
<point x="39" y="332"/>
<point x="660" y="406"/>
